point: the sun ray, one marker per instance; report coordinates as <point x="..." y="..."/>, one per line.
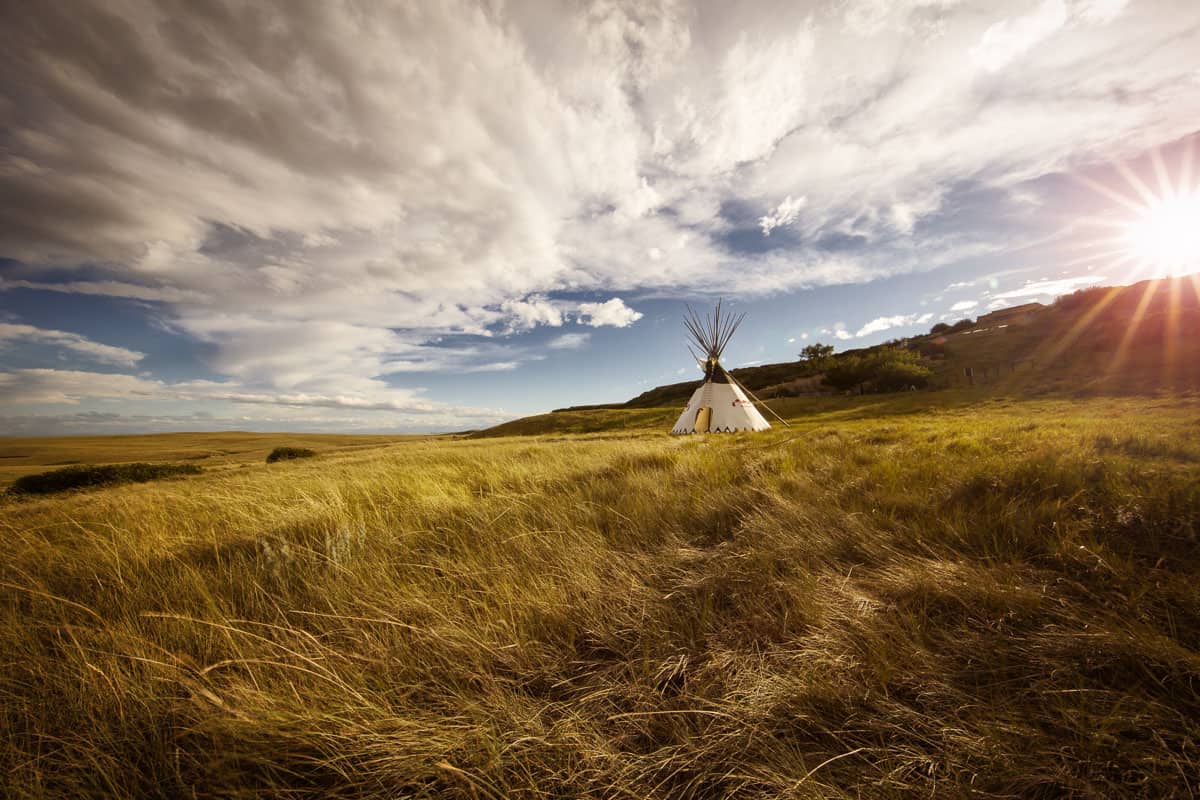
<point x="1185" y="167"/>
<point x="1132" y="327"/>
<point x="1111" y="194"/>
<point x="1116" y="261"/>
<point x="1115" y="254"/>
<point x="1165" y="190"/>
<point x="1052" y="347"/>
<point x="1136" y="183"/>
<point x="1140" y="270"/>
<point x="1171" y="335"/>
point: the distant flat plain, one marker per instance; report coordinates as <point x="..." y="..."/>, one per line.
<point x="25" y="455"/>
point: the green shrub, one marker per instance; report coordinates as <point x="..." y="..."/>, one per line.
<point x="288" y="453"/>
<point x="817" y="357"/>
<point x="94" y="475"/>
<point x="894" y="375"/>
<point x="885" y="369"/>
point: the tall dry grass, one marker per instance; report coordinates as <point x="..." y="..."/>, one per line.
<point x="994" y="601"/>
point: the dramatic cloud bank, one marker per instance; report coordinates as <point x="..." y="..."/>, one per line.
<point x="324" y="195"/>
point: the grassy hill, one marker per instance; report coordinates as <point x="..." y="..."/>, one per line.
<point x="890" y="599"/>
<point x="596" y="419"/>
<point x="1136" y="339"/>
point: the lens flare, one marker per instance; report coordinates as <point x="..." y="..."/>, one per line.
<point x="1166" y="235"/>
<point x="1149" y="231"/>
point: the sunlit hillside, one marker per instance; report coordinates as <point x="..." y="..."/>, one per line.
<point x="886" y="599"/>
<point x="1138" y="339"/>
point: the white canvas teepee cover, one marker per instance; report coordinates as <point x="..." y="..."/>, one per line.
<point x="729" y="411"/>
<point x="719" y="405"/>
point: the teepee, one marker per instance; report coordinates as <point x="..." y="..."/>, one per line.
<point x="719" y="405"/>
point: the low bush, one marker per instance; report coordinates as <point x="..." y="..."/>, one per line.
<point x="885" y="369"/>
<point x="94" y="475"/>
<point x="288" y="453"/>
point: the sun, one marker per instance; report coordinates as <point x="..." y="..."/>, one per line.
<point x="1148" y="234"/>
<point x="1150" y="228"/>
<point x="1166" y="234"/>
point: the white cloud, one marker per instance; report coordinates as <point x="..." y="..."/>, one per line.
<point x="108" y="289"/>
<point x="613" y="312"/>
<point x="81" y="345"/>
<point x="896" y="321"/>
<point x="532" y="311"/>
<point x="1100" y="12"/>
<point x="784" y="214"/>
<point x="882" y="324"/>
<point x="42" y="387"/>
<point x="964" y="305"/>
<point x="569" y="341"/>
<point x="1008" y="39"/>
<point x="1005" y="40"/>
<point x="278" y="419"/>
<point x="838" y="331"/>
<point x="1051" y="288"/>
<point x="52" y="386"/>
<point x="318" y="239"/>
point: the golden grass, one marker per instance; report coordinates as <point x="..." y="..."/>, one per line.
<point x="879" y="601"/>
<point x="24" y="455"/>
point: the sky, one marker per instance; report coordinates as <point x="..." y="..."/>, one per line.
<point x="434" y="216"/>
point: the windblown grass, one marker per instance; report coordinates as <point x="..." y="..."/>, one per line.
<point x="994" y="601"/>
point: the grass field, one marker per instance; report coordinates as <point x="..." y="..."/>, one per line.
<point x="984" y="598"/>
<point x="22" y="456"/>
